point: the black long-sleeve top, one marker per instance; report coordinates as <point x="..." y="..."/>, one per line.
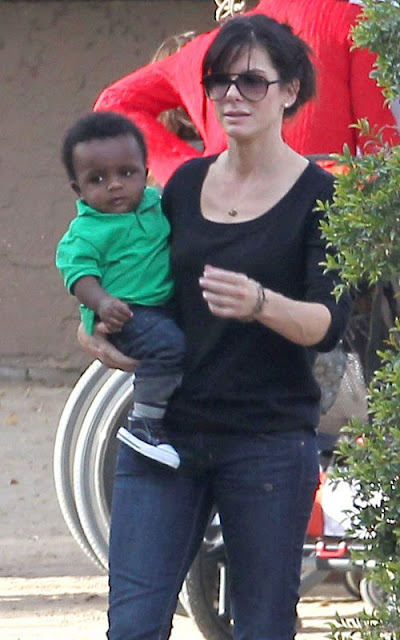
<point x="242" y="376"/>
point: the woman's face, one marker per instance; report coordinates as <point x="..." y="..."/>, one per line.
<point x="242" y="118"/>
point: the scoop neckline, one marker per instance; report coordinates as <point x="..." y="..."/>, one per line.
<point x="272" y="210"/>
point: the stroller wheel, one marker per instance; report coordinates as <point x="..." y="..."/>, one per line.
<point x="371" y="594"/>
<point x="352" y="581"/>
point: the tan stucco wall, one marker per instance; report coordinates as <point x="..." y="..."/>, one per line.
<point x="55" y="59"/>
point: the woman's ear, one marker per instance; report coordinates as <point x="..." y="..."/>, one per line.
<point x="292" y="91"/>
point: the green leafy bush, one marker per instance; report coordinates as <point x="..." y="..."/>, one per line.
<point x="363" y="224"/>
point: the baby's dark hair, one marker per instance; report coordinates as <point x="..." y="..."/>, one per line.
<point x="98" y="126"/>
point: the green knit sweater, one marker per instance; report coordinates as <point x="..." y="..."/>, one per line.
<point x="127" y="252"/>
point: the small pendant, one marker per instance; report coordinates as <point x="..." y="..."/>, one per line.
<point x="232" y="213"/>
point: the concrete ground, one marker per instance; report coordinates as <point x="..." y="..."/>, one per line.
<point x="49" y="589"/>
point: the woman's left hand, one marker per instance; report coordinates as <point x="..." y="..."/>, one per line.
<point x="229" y="294"/>
<point x="234" y="295"/>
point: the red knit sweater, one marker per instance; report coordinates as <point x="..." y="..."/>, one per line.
<point x="345" y="91"/>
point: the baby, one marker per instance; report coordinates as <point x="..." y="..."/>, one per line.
<point x="115" y="259"/>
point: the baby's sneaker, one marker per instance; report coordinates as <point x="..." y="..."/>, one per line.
<point x="147" y="436"/>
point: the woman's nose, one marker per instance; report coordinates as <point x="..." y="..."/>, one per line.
<point x="233" y="92"/>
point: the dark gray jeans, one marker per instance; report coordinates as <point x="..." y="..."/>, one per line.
<point x="263" y="487"/>
<point x="153" y="337"/>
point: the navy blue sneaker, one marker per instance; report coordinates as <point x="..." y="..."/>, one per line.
<point x="147" y="436"/>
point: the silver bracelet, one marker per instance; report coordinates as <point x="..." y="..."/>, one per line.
<point x="261" y="298"/>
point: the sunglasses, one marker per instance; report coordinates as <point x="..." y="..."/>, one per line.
<point x="251" y="86"/>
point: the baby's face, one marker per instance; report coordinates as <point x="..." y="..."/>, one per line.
<point x="110" y="173"/>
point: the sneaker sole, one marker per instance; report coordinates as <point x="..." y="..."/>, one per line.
<point x="169" y="458"/>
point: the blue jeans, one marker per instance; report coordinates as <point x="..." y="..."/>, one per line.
<point x="152" y="337"/>
<point x="263" y="487"/>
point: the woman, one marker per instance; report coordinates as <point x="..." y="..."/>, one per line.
<point x="255" y="304"/>
<point x="176" y="121"/>
<point x="346" y="92"/>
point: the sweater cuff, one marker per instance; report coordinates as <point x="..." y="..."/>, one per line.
<point x="340" y="313"/>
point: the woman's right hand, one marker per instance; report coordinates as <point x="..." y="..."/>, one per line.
<point x="99" y="347"/>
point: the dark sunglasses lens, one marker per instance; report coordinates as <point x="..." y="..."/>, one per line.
<point x="252" y="87"/>
<point x="216" y="86"/>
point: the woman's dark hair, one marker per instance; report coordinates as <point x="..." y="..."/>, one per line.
<point x="289" y="54"/>
<point x="98" y="126"/>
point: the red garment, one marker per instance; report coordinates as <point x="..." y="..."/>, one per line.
<point x="345" y="91"/>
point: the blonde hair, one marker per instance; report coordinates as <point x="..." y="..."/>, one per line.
<point x="176" y="120"/>
<point x="172" y="44"/>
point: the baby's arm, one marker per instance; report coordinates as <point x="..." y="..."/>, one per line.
<point x="112" y="311"/>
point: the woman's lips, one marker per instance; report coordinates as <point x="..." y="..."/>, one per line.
<point x="236" y="114"/>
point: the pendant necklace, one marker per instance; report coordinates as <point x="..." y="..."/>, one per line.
<point x="232" y="212"/>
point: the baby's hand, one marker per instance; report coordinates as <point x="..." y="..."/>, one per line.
<point x="114" y="313"/>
